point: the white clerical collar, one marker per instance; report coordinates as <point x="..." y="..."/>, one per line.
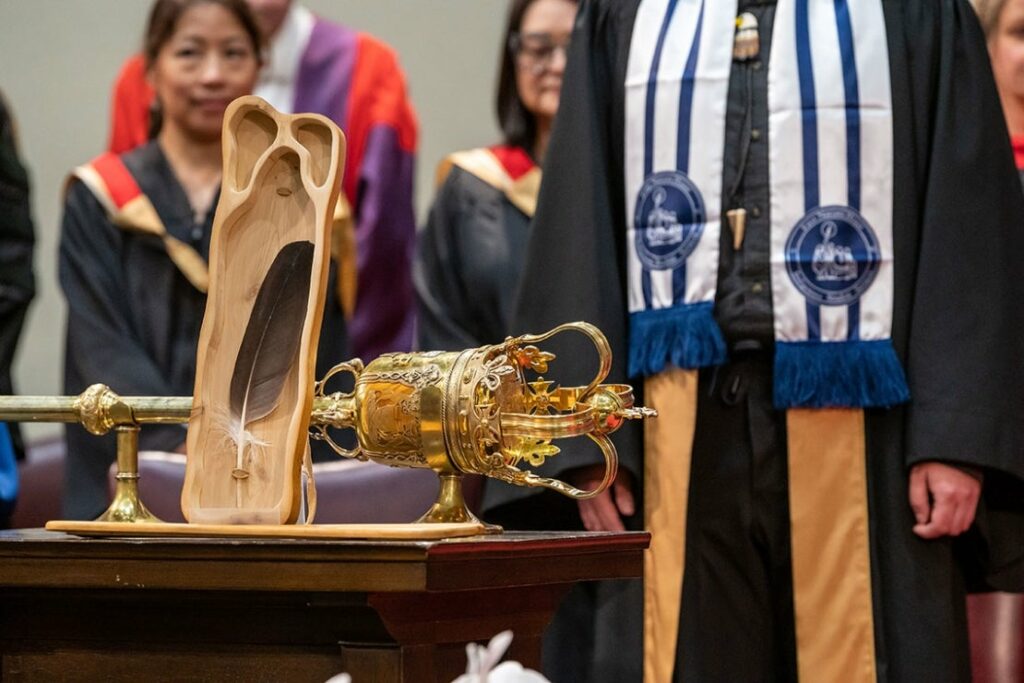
<point x="277" y="79"/>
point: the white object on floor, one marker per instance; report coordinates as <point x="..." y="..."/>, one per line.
<point x="482" y="665"/>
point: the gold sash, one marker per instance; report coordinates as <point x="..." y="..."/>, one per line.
<point x="829" y="533"/>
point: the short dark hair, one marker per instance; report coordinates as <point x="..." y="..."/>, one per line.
<point x="518" y="125"/>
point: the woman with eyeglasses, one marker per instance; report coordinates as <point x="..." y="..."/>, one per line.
<point x="470" y="252"/>
<point x="467" y="272"/>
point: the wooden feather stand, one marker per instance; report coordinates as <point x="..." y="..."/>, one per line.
<point x="248" y="431"/>
<point x="465" y="412"/>
<point x="269" y="259"/>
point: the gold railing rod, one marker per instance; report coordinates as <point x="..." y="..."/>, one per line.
<point x="100" y="410"/>
<point x="144" y="409"/>
<point x="38" y="409"/>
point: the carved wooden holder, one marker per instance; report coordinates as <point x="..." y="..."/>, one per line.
<point x="282" y="176"/>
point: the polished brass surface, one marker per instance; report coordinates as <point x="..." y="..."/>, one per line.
<point x="126" y="506"/>
<point x="98" y="409"/>
<point x="450" y="506"/>
<point x="141" y="410"/>
<point x="475" y="412"/>
<point x="336" y="410"/>
<point x="456" y="413"/>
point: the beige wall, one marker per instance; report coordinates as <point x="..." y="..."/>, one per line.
<point x="59" y="57"/>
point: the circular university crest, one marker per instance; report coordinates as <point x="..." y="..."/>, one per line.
<point x="669" y="220"/>
<point x="832" y="255"/>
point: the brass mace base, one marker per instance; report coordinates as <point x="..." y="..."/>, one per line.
<point x="450" y="506"/>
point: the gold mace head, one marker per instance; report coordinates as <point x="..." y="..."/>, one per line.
<point x="475" y="411"/>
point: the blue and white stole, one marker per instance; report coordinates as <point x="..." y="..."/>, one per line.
<point x="677" y="84"/>
<point x="830" y="159"/>
<point x="831" y="206"/>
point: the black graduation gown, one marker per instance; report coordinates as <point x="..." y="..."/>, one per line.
<point x="468" y="264"/>
<point x="468" y="259"/>
<point x="17" y="284"/>
<point x="134" y="318"/>
<point x="17" y="239"/>
<point x="957" y="317"/>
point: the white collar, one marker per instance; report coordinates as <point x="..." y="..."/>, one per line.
<point x="276" y="82"/>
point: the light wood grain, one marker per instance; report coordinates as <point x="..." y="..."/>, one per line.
<point x="282" y="176"/>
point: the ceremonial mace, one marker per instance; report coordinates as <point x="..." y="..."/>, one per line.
<point x="468" y="412"/>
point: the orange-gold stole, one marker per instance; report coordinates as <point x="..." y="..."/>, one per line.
<point x="828" y="510"/>
<point x="668" y="447"/>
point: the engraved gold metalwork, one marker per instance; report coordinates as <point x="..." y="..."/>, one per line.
<point x="97" y="406"/>
<point x="474" y="412"/>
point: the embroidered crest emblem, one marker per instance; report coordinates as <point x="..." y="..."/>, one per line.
<point x="669" y="220"/>
<point x="832" y="256"/>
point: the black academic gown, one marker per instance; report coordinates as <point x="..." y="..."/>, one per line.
<point x="17" y="238"/>
<point x="468" y="260"/>
<point x="957" y="318"/>
<point x="468" y="264"/>
<point x="134" y="318"/>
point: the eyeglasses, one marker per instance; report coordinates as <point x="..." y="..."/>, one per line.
<point x="535" y="51"/>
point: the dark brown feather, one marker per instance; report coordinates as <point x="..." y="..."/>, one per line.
<point x="272" y="337"/>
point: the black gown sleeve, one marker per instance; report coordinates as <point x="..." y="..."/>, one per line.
<point x="965" y="347"/>
<point x="17" y="238"/>
<point x="17" y="241"/>
<point x="575" y="266"/>
<point x="102" y="344"/>
<point x="445" y="319"/>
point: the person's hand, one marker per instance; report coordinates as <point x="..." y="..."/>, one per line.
<point x="944" y="499"/>
<point x="604" y="512"/>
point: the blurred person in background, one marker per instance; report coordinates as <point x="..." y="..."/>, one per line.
<point x="315" y="66"/>
<point x="471" y="251"/>
<point x="17" y="287"/>
<point x="136" y="235"/>
<point x="467" y="271"/>
<point x="1003" y="23"/>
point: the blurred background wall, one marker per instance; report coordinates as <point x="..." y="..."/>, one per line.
<point x="59" y="58"/>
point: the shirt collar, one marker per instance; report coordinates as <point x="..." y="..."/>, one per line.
<point x="285" y="51"/>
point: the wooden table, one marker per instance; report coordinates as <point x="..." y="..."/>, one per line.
<point x="76" y="609"/>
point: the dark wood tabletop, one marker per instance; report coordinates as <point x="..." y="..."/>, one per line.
<point x="163" y="609"/>
<point x="37" y="558"/>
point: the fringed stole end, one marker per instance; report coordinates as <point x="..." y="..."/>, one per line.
<point x="849" y="374"/>
<point x="685" y="336"/>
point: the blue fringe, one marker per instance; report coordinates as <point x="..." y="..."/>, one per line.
<point x="685" y="336"/>
<point x="8" y="472"/>
<point x="850" y="374"/>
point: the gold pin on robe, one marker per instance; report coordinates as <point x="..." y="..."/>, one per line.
<point x="748" y="42"/>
